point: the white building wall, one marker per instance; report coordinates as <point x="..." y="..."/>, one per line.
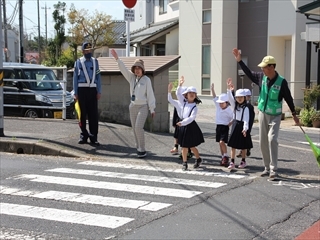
<point x="172" y="42"/>
<point x="224" y="34"/>
<point x="147" y="12"/>
<point x="224" y="27"/>
<point x="172" y="11"/>
<point x="190" y="39"/>
<point x="143" y="15"/>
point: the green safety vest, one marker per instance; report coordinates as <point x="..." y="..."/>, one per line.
<point x="268" y="101"/>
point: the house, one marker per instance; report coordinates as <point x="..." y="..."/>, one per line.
<point x="205" y="32"/>
<point x="312" y="37"/>
<point x="119" y="45"/>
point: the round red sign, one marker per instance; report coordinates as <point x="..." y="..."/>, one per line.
<point x="129" y="3"/>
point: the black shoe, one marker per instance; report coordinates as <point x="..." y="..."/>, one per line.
<point x="142" y="154"/>
<point x="197" y="163"/>
<point x="96" y="143"/>
<point x="82" y="141"/>
<point x="248" y="153"/>
<point x="185" y="166"/>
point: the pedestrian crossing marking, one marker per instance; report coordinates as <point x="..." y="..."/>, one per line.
<point x="160" y="179"/>
<point x="74" y="217"/>
<point x="86" y="198"/>
<point x="159" y="169"/>
<point x="172" y="192"/>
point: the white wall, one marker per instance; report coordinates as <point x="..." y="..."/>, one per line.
<point x="224" y="36"/>
<point x="190" y="39"/>
<point x="172" y="11"/>
<point x="140" y="15"/>
<point x="172" y="42"/>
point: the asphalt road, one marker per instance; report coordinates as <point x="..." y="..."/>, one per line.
<point x="107" y="193"/>
<point x="47" y="197"/>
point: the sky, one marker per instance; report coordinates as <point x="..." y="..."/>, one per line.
<point x="114" y="8"/>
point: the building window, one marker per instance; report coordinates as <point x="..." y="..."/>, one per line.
<point x="160" y="50"/>
<point x="206" y="63"/>
<point x="163" y="4"/>
<point x="206" y="16"/>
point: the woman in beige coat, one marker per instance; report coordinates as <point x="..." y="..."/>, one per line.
<point x="142" y="99"/>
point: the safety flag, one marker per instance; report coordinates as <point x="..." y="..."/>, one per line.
<point x="78" y="111"/>
<point x="315" y="150"/>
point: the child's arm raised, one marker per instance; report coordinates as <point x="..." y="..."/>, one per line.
<point x="229" y="92"/>
<point x="212" y="91"/>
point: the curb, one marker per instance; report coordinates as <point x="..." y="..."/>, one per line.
<point x="38" y="148"/>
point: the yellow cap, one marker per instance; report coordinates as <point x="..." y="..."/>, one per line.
<point x="266" y="61"/>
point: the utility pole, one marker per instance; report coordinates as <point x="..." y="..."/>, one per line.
<point x="21" y="30"/>
<point x="1" y="78"/>
<point x="5" y="27"/>
<point x="45" y="8"/>
<point x="39" y="47"/>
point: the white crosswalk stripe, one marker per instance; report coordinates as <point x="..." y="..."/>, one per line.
<point x="150" y="168"/>
<point x="64" y="215"/>
<point x="139" y="177"/>
<point x="146" y="185"/>
<point x="172" y="192"/>
<point x="85" y="198"/>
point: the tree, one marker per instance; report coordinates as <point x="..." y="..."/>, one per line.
<point x="75" y="39"/>
<point x="96" y="28"/>
<point x="51" y="59"/>
<point x="60" y="21"/>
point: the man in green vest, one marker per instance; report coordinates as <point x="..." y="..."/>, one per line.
<point x="273" y="89"/>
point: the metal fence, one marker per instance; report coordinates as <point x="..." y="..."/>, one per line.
<point x="64" y="92"/>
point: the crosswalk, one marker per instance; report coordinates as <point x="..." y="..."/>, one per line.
<point x="142" y="188"/>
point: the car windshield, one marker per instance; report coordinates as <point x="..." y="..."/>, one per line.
<point x="43" y="76"/>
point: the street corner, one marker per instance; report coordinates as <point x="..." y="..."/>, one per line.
<point x="38" y="147"/>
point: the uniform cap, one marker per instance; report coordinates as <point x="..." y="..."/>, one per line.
<point x="240" y="93"/>
<point x="266" y="61"/>
<point x="247" y="91"/>
<point x="86" y="46"/>
<point x="190" y="89"/>
<point x="223" y="98"/>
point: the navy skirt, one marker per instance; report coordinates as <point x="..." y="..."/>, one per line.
<point x="237" y="140"/>
<point x="190" y="135"/>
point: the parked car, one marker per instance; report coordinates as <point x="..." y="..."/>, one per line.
<point x="29" y="98"/>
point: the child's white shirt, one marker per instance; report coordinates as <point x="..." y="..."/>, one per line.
<point x="238" y="112"/>
<point x="183" y="108"/>
<point x="223" y="116"/>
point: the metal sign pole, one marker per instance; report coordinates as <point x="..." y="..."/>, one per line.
<point x="1" y="77"/>
<point x="128" y="39"/>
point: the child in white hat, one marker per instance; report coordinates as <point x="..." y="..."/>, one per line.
<point x="224" y="117"/>
<point x="189" y="133"/>
<point x="239" y="139"/>
<point x="251" y="118"/>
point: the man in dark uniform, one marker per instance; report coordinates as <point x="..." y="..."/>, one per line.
<point x="87" y="90"/>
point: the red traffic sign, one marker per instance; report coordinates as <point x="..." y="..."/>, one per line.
<point x="129" y="3"/>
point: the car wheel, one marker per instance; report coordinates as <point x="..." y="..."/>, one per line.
<point x="31" y="113"/>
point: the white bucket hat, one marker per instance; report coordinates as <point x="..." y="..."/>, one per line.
<point x="223" y="98"/>
<point x="247" y="91"/>
<point x="240" y="93"/>
<point x="190" y="89"/>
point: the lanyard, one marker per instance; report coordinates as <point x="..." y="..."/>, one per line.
<point x="135" y="84"/>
